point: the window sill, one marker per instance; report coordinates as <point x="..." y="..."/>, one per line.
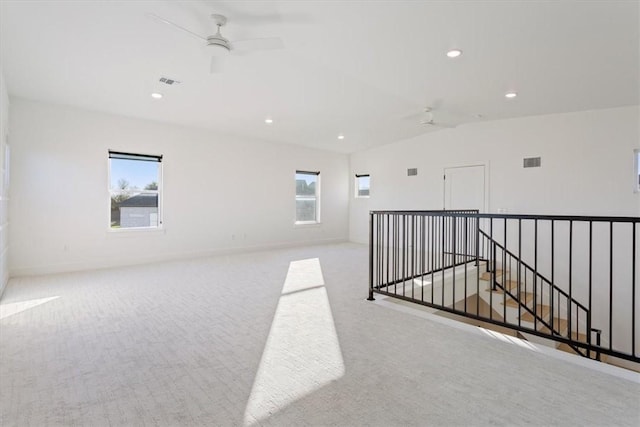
<point x="304" y="224"/>
<point x="362" y="197"/>
<point x="135" y="230"/>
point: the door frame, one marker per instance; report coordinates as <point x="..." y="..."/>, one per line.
<point x="486" y="166"/>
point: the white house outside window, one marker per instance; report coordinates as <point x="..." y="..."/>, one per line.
<point x="307" y="197"/>
<point x="135" y="185"/>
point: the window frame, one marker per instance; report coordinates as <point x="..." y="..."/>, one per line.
<point x="636" y="170"/>
<point x="316" y="198"/>
<point x="159" y="159"/>
<point x="357" y="186"/>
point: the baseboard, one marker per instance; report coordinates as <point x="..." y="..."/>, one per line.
<point x="166" y="257"/>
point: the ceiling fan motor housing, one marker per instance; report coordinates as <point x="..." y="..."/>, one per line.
<point x="218" y="41"/>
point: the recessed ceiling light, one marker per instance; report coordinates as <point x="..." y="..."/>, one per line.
<point x="341" y="136"/>
<point x="156" y="95"/>
<point x="268" y="120"/>
<point x="454" y="53"/>
<point x="510" y="95"/>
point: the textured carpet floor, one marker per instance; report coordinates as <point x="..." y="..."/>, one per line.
<point x="281" y="338"/>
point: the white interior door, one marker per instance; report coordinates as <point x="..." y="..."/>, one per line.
<point x="464" y="188"/>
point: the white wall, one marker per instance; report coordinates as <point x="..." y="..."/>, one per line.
<point x="587" y="166"/>
<point x="4" y="190"/>
<point x="220" y="193"/>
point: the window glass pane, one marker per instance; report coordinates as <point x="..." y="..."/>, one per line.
<point x="363" y="186"/>
<point x="134" y="175"/>
<point x="306" y="184"/>
<point x="134" y="193"/>
<point x="134" y="209"/>
<point x="305" y="210"/>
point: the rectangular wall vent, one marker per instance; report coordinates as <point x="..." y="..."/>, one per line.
<point x="532" y="162"/>
<point x="412" y="171"/>
<point x="168" y="81"/>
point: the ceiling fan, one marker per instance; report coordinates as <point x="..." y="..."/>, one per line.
<point x="221" y="46"/>
<point x="429" y="119"/>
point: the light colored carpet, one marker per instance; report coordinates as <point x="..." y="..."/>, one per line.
<point x="283" y="338"/>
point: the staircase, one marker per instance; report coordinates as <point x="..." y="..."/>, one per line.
<point x="522" y="311"/>
<point x="540" y="306"/>
<point x="541" y="278"/>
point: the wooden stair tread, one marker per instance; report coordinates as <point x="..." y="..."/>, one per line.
<point x="525" y="299"/>
<point x="510" y="285"/>
<point x="567" y="348"/>
<point x="577" y="336"/>
<point x="542" y="312"/>
<point x="559" y="324"/>
<point x="487" y="275"/>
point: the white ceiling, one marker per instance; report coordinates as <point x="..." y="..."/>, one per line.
<point x="352" y="67"/>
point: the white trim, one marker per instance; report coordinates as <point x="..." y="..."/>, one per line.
<point x="4" y="251"/>
<point x="303" y="224"/>
<point x="6" y="170"/>
<point x="134" y="230"/>
<point x="487" y="170"/>
<point x="636" y="170"/>
<point x="316" y="198"/>
<point x="172" y="256"/>
<point x="159" y="192"/>
<point x="356" y="189"/>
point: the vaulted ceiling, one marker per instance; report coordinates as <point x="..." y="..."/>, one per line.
<point x="362" y="69"/>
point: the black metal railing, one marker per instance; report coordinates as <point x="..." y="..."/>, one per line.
<point x="571" y="279"/>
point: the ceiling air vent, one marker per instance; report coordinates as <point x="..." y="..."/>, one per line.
<point x="412" y="171"/>
<point x="169" y="81"/>
<point x="532" y="162"/>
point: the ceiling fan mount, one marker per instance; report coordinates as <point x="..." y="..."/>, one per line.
<point x="220" y="20"/>
<point x="428" y="116"/>
<point x="428" y="119"/>
<point x="217" y="40"/>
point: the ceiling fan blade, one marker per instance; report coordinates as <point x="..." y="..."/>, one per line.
<point x="413" y="117"/>
<point x="442" y="125"/>
<point x="266" y="43"/>
<point x="176" y="26"/>
<point x="215" y="66"/>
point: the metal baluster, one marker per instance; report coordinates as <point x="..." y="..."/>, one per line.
<point x="569" y="320"/>
<point x="535" y="275"/>
<point x="553" y="282"/>
<point x="633" y="289"/>
<point x="454" y="240"/>
<point x="370" y="298"/>
<point x="519" y="278"/>
<point x="610" y="284"/>
<point x="589" y="314"/>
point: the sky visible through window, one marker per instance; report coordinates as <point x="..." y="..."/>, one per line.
<point x="363" y="183"/>
<point x="306" y="177"/>
<point x="137" y="173"/>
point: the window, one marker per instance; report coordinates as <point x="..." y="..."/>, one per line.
<point x="362" y="185"/>
<point x="636" y="155"/>
<point x="307" y="197"/>
<point x="135" y="185"/>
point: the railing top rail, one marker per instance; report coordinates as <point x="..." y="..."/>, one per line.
<point x="474" y="214"/>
